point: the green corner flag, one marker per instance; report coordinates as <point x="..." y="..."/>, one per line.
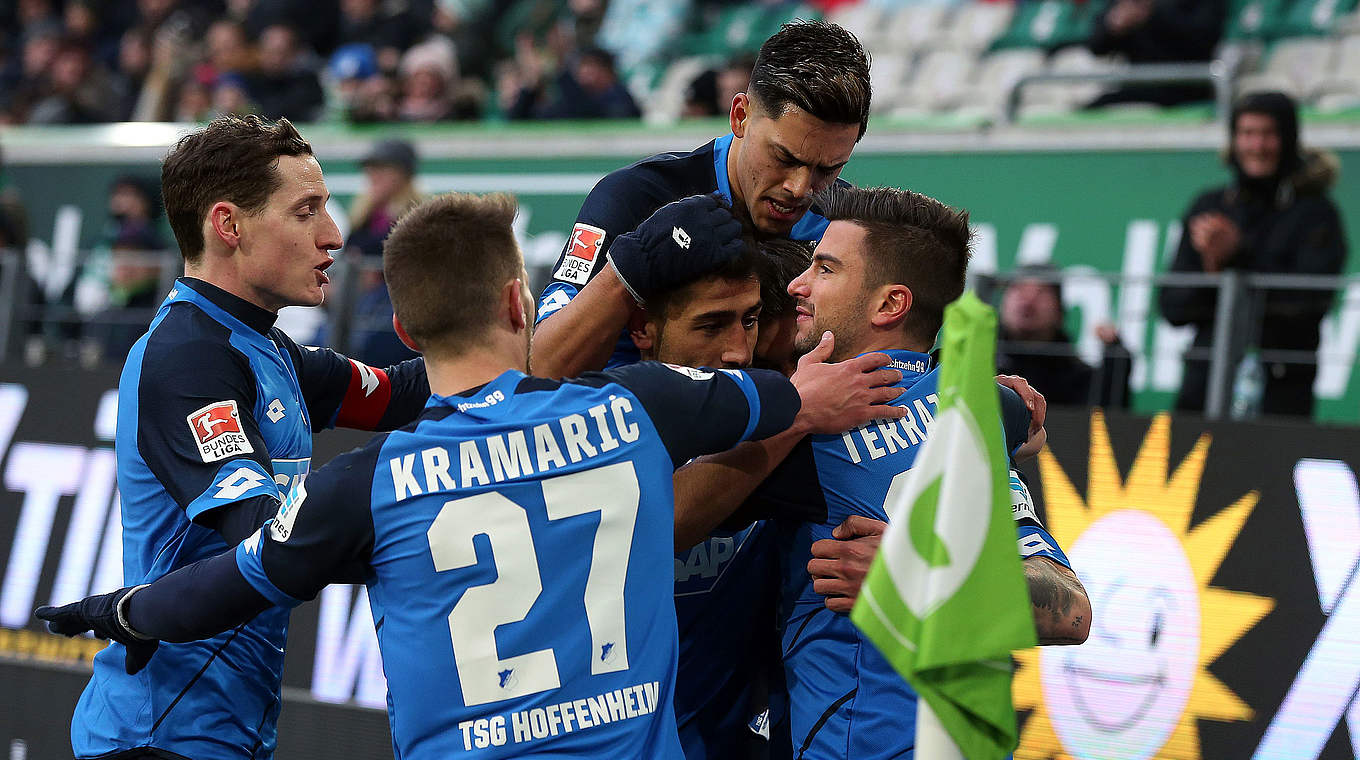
<point x="945" y="599"/>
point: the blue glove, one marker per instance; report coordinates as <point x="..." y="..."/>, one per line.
<point x="681" y="242"/>
<point x="104" y="615"/>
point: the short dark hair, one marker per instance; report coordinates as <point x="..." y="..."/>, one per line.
<point x="234" y="159"/>
<point x="445" y="262"/>
<point x="818" y="67"/>
<point x="746" y="266"/>
<point x="781" y="260"/>
<point x="912" y="240"/>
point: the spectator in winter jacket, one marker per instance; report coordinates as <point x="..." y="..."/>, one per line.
<point x="1273" y="217"/>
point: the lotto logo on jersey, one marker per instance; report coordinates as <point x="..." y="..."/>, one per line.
<point x="217" y="431"/>
<point x="579" y="260"/>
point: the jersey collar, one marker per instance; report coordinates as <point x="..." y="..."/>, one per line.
<point x="911" y="364"/>
<point x="481" y="396"/>
<point x="811" y="226"/>
<point x="258" y="319"/>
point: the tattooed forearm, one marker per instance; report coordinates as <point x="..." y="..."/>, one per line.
<point x="1062" y="611"/>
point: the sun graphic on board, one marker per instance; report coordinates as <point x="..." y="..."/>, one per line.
<point x="1138" y="685"/>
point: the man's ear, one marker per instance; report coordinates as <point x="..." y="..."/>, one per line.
<point x="642" y="331"/>
<point x="406" y="338"/>
<point x="740" y="114"/>
<point x="223" y="224"/>
<point x="512" y="301"/>
<point x="894" y="302"/>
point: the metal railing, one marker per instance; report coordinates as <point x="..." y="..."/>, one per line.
<point x="1220" y="74"/>
<point x="1236" y="324"/>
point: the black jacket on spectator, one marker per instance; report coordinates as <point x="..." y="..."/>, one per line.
<point x="1054" y="370"/>
<point x="1291" y="227"/>
<point x="296" y="95"/>
<point x="1176" y="31"/>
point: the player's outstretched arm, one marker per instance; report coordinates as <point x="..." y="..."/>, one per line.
<point x="1062" y="610"/>
<point x="580" y="336"/>
<point x="677" y="244"/>
<point x="835" y="397"/>
<point x="194" y="602"/>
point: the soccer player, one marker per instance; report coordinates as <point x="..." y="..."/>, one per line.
<point x="216" y="409"/>
<point x="793" y="131"/>
<point x="515" y="539"/>
<point x="880" y="278"/>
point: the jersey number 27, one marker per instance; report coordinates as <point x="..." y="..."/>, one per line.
<point x="612" y="491"/>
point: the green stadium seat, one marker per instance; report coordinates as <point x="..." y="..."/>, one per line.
<point x="1305" y="17"/>
<point x="1049" y="24"/>
<point x="1255" y="19"/>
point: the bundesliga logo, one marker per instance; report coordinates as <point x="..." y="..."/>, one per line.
<point x="217" y="431"/>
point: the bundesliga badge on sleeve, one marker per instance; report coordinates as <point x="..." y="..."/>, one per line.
<point x="217" y="431"/>
<point x="585" y="245"/>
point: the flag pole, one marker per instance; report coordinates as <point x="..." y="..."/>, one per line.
<point x="932" y="740"/>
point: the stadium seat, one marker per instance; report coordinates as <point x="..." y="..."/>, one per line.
<point x="1255" y="19"/>
<point x="1313" y="16"/>
<point x="665" y="103"/>
<point x="1266" y="82"/>
<point x="938" y="84"/>
<point x="1305" y="61"/>
<point x="889" y="75"/>
<point x="1047" y="24"/>
<point x="865" y="21"/>
<point x="916" y="27"/>
<point x="1060" y="97"/>
<point x="996" y="75"/>
<point x="976" y="25"/>
<point x="1340" y="89"/>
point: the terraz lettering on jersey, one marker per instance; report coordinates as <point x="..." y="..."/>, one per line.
<point x="217" y="431"/>
<point x="565" y="717"/>
<point x="517" y="453"/>
<point x="885" y="437"/>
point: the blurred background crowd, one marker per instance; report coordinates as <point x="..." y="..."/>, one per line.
<point x="363" y="61"/>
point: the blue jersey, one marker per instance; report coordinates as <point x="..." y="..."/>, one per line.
<point x="215" y="410"/>
<point x="516" y="542"/>
<point x="845" y="699"/>
<point x="732" y="575"/>
<point x="625" y="199"/>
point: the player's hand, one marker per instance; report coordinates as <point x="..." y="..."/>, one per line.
<point x="841" y="396"/>
<point x="678" y="244"/>
<point x="101" y="615"/>
<point x="839" y="564"/>
<point x="1038" y="413"/>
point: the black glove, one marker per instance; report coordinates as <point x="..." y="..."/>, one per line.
<point x="678" y="244"/>
<point x="101" y="615"/>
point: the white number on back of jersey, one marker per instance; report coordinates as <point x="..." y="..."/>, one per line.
<point x="611" y="491"/>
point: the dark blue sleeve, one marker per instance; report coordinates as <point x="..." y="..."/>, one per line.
<point x="322" y="533"/>
<point x="343" y="392"/>
<point x="704" y="411"/>
<point x="1015" y="419"/>
<point x="196" y="429"/>
<point x="615" y="206"/>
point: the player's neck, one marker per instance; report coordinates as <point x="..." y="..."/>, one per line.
<point x="470" y="369"/>
<point x="226" y="279"/>
<point x="894" y="341"/>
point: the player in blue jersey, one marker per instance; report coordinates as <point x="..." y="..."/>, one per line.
<point x="515" y="539"/>
<point x="216" y="409"/>
<point x="880" y="278"/>
<point x="793" y="131"/>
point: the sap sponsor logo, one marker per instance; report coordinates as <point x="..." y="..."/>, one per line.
<point x="491" y="399"/>
<point x="1324" y="694"/>
<point x="698" y="569"/>
<point x="579" y="259"/>
<point x="562" y="718"/>
<point x="884" y="437"/>
<point x="217" y="431"/>
<point x="690" y="372"/>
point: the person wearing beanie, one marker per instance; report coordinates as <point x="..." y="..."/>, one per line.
<point x="1273" y="217"/>
<point x="1032" y="343"/>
